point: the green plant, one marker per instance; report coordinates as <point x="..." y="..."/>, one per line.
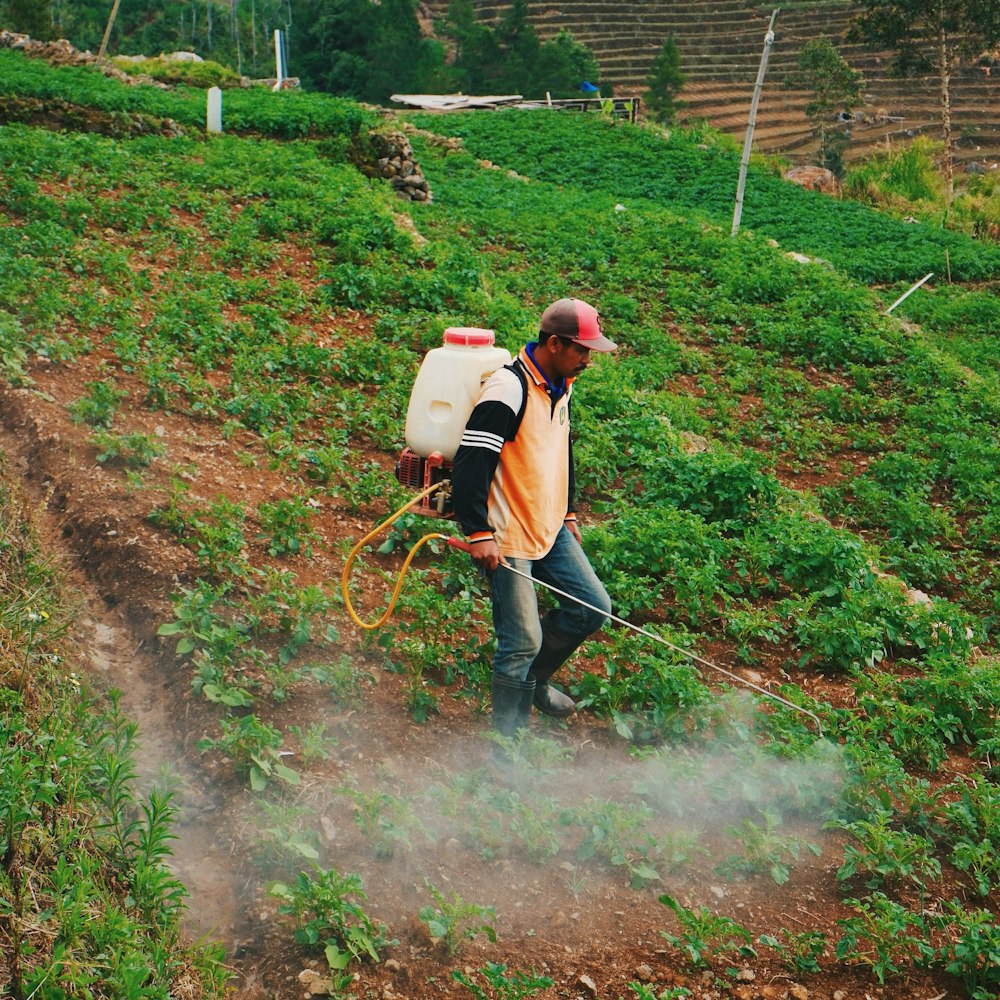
<point x="202" y="74"/>
<point x="87" y="900"/>
<point x="252" y="746"/>
<point x="451" y="922"/>
<point x="884" y="935"/>
<point x="386" y="820"/>
<point x="763" y="850"/>
<point x="136" y="450"/>
<point x="535" y="825"/>
<point x="887" y="853"/>
<point x="705" y="934"/>
<point x="328" y="915"/>
<point x="644" y="992"/>
<point x="502" y="986"/>
<point x="616" y="831"/>
<point x="799" y="952"/>
<point x="530" y="752"/>
<point x="973" y="948"/>
<point x="286" y="524"/>
<point x="282" y="836"/>
<point x="99" y="406"/>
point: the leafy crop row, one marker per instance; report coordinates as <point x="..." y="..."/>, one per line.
<point x="694" y="172"/>
<point x="287" y="113"/>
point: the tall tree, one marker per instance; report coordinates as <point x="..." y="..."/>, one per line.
<point x="30" y="17"/>
<point x="835" y="88"/>
<point x="476" y="55"/>
<point x="520" y="49"/>
<point x="664" y="83"/>
<point x="930" y="36"/>
<point x="564" y="63"/>
<point x="334" y="56"/>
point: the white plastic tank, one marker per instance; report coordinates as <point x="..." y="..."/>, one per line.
<point x="447" y="387"/>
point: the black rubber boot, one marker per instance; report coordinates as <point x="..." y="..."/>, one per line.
<point x="556" y="648"/>
<point x="511" y="704"/>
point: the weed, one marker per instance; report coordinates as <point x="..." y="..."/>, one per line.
<point x="314" y="741"/>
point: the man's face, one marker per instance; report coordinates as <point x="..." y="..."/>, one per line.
<point x="569" y="357"/>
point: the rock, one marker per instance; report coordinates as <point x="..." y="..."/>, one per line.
<point x="813" y="179"/>
<point x="329" y="828"/>
<point x="840" y="995"/>
<point x="691" y="443"/>
<point x="644" y="974"/>
<point x="191" y="57"/>
<point x="918" y="597"/>
<point x="717" y="891"/>
<point x="587" y="985"/>
<point x="798" y="992"/>
<point x="315" y="985"/>
<point x="746" y="975"/>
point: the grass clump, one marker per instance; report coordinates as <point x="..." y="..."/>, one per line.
<point x="206" y="73"/>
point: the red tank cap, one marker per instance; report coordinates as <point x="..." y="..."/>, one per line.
<point x="469" y="336"/>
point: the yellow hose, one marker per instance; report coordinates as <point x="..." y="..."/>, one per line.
<point x="402" y="573"/>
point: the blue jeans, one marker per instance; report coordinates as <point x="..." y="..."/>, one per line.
<point x="515" y="604"/>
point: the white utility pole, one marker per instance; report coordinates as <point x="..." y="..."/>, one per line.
<point x="279" y="61"/>
<point x="768" y="39"/>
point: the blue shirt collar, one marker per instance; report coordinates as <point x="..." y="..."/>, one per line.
<point x="556" y="389"/>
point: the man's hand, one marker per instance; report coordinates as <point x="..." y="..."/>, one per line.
<point x="485" y="554"/>
<point x="574" y="529"/>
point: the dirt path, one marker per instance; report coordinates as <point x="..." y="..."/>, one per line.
<point x="202" y="853"/>
<point x="110" y="656"/>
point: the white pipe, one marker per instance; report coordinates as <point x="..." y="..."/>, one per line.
<point x="906" y="294"/>
<point x="278" y="63"/>
<point x="677" y="649"/>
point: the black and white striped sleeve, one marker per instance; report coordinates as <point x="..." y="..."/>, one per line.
<point x="491" y="425"/>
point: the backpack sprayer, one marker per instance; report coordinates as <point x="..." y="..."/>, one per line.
<point x="443" y="397"/>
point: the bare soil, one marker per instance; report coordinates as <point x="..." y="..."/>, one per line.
<point x="580" y="923"/>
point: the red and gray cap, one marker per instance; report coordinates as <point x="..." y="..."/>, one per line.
<point x="577" y="321"/>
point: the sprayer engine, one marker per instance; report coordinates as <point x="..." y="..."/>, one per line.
<point x="418" y="473"/>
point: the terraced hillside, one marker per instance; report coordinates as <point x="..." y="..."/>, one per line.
<point x="720" y="43"/>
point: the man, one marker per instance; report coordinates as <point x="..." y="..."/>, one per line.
<point x="512" y="492"/>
